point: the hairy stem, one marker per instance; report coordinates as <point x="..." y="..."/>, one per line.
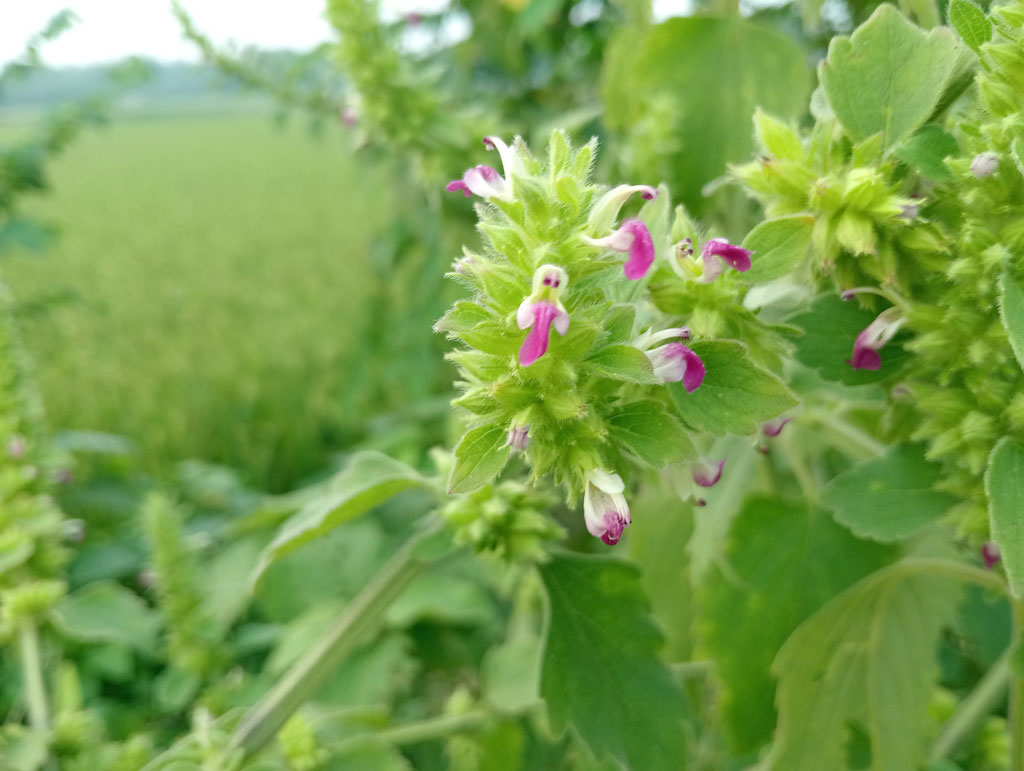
<point x="975" y="708"/>
<point x="266" y="717"/>
<point x="32" y="672"/>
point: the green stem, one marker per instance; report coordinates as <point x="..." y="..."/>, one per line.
<point x="1016" y="716"/>
<point x="266" y="717"/>
<point x="958" y="570"/>
<point x="849" y="438"/>
<point x="688" y="669"/>
<point x="32" y="671"/>
<point x="975" y="708"/>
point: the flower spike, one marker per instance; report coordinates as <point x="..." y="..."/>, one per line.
<point x="540" y="311"/>
<point x="605" y="509"/>
<point x="873" y="337"/>
<point x="633" y="237"/>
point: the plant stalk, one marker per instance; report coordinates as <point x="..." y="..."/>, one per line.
<point x="32" y="672"/>
<point x="1016" y="714"/>
<point x="266" y="717"/>
<point x="975" y="708"/>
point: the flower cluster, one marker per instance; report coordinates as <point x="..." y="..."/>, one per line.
<point x="937" y="248"/>
<point x="565" y="361"/>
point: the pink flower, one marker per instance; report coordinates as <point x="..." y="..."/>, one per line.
<point x="990" y="554"/>
<point x="633" y="237"/>
<point x="485" y="181"/>
<point x="542" y="310"/>
<point x="774" y="427"/>
<point x="605" y="509"/>
<point x="706" y="473"/>
<point x="519" y="437"/>
<point x="717" y="253"/>
<point x="675" y="362"/>
<point x="606" y="210"/>
<point x="873" y="337"/>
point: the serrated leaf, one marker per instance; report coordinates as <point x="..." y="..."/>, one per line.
<point x="778" y="245"/>
<point x="888" y="498"/>
<point x="785" y="560"/>
<point x="926" y="151"/>
<point x="830" y="327"/>
<point x="970" y="22"/>
<point x="1011" y="311"/>
<point x="1004" y="485"/>
<point x="650" y="433"/>
<point x="888" y="76"/>
<point x="600" y="669"/>
<point x="736" y="395"/>
<point x="369" y="479"/>
<point x="480" y="456"/>
<point x="866" y="656"/>
<point x="105" y="611"/>
<point x="622" y="362"/>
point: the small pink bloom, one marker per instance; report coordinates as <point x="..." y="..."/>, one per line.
<point x="519" y="438"/>
<point x="985" y="165"/>
<point x="633" y="237"/>
<point x="706" y="473"/>
<point x="542" y="310"/>
<point x="774" y="427"/>
<point x="717" y="253"/>
<point x="605" y="509"/>
<point x="485" y="181"/>
<point x="873" y="337"/>
<point x="606" y="210"/>
<point x="16" y="446"/>
<point x="677" y="363"/>
<point x="990" y="554"/>
<point x="349" y="116"/>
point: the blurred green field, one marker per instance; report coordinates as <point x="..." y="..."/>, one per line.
<point x="201" y="297"/>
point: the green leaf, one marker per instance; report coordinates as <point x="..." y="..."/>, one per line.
<point x="650" y="433"/>
<point x="736" y="394"/>
<point x="888" y="76"/>
<point x="660" y="81"/>
<point x="480" y="456"/>
<point x="970" y="22"/>
<point x="369" y="479"/>
<point x="622" y="362"/>
<point x="867" y="656"/>
<point x="830" y="327"/>
<point x="601" y="670"/>
<point x="926" y="151"/>
<point x="27" y="234"/>
<point x="785" y="560"/>
<point x="511" y="675"/>
<point x="1011" y="311"/>
<point x="107" y="612"/>
<point x="778" y="245"/>
<point x="888" y="498"/>
<point x="657" y="543"/>
<point x="441" y="597"/>
<point x="1004" y="485"/>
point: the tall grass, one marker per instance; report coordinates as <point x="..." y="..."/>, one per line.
<point x="202" y="297"/>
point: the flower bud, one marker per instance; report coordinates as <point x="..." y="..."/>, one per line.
<point x="985" y="165"/>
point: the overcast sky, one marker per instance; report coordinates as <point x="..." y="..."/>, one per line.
<point x="109" y="30"/>
<point x="113" y="29"/>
